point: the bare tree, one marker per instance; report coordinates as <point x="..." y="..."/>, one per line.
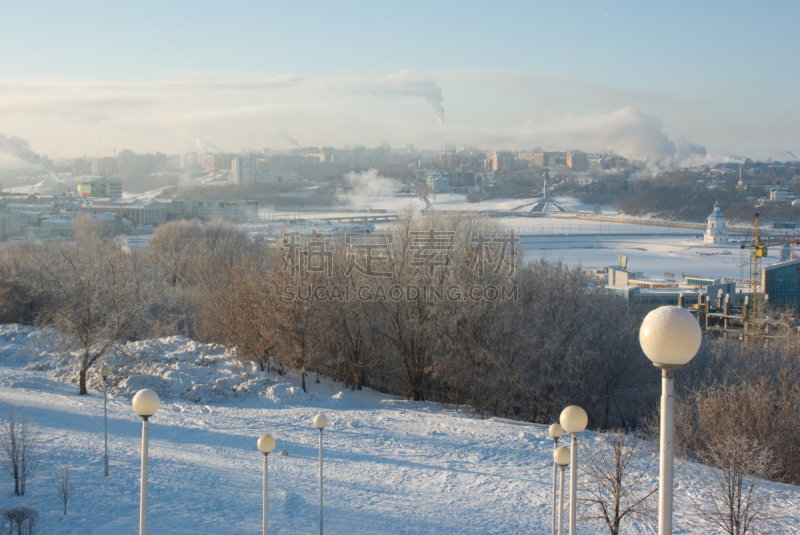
<point x="615" y="487"/>
<point x="19" y="302"/>
<point x="735" y="501"/>
<point x="242" y="313"/>
<point x="21" y="446"/>
<point x="745" y="390"/>
<point x="299" y="323"/>
<point x="64" y="484"/>
<point x="174" y="246"/>
<point x="95" y="291"/>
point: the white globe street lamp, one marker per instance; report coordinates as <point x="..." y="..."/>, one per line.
<point x="104" y="372"/>
<point x="265" y="445"/>
<point x="561" y="458"/>
<point x="145" y="403"/>
<point x="320" y="422"/>
<point x="670" y="337"/>
<point x="555" y="433"/>
<point x="574" y="420"/>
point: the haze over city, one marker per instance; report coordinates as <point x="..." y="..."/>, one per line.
<point x="646" y="80"/>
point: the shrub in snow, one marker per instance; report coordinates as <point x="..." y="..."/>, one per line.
<point x="20" y="520"/>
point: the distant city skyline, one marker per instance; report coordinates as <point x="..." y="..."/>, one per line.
<point x="679" y="81"/>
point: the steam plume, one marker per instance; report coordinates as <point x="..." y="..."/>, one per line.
<point x="628" y="132"/>
<point x="371" y="183"/>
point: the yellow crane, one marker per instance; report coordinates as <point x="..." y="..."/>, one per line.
<point x="759" y="249"/>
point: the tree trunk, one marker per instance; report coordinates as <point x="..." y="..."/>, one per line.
<point x="16" y="480"/>
<point x="303" y="379"/>
<point x="82" y="381"/>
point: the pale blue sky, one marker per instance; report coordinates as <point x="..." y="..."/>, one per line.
<point x="511" y="74"/>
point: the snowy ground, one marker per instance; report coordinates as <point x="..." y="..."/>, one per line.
<point x="392" y="466"/>
<point x="651" y="255"/>
<point x="43" y="185"/>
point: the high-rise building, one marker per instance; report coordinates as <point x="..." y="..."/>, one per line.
<point x="577" y="160"/>
<point x="207" y="162"/>
<point x="502" y="161"/>
<point x="189" y="160"/>
<point x="126" y="161"/>
<point x="537" y="159"/>
<point x="244" y="169"/>
<point x="105" y="166"/>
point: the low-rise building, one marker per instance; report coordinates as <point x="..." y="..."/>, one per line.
<point x="237" y="211"/>
<point x="138" y="212"/>
<point x="779" y="195"/>
<point x="781" y="282"/>
<point x="102" y="187"/>
<point x="438" y="184"/>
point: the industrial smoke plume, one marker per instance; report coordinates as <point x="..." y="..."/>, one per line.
<point x="290" y="139"/>
<point x="405" y="84"/>
<point x="20" y="148"/>
<point x="207" y="146"/>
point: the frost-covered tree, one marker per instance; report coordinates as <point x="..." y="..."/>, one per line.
<point x="94" y="290"/>
<point x="243" y="313"/>
<point x="64" y="484"/>
<point x="20" y="520"/>
<point x="615" y="487"/>
<point x="736" y="500"/>
<point x="21" y="448"/>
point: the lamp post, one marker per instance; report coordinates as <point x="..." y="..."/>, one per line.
<point x="104" y="372"/>
<point x="561" y="459"/>
<point x="573" y="420"/>
<point x="145" y="403"/>
<point x="265" y="445"/>
<point x="670" y="337"/>
<point x="555" y="433"/>
<point x="320" y="422"/>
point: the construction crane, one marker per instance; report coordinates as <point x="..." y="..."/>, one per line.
<point x="759" y="249"/>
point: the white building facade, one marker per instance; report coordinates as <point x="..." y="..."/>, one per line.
<point x="244" y="170"/>
<point x="717" y="231"/>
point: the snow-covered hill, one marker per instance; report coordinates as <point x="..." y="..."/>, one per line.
<point x="392" y="465"/>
